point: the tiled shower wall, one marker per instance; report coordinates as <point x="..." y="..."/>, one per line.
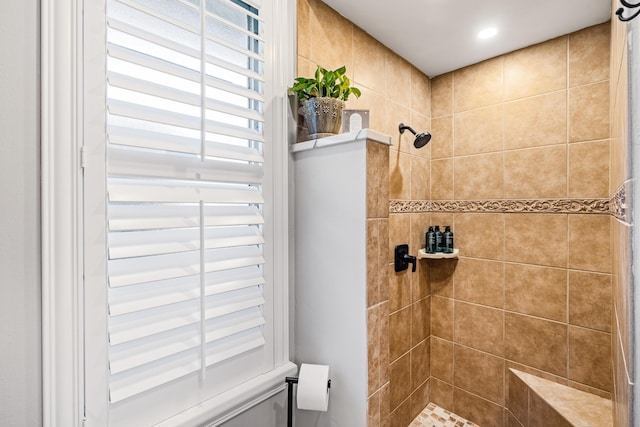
<point x="532" y="288"/>
<point x="619" y="188"/>
<point x="393" y="91"/>
<point x="513" y="136"/>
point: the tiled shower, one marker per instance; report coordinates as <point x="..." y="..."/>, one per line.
<point x="526" y="165"/>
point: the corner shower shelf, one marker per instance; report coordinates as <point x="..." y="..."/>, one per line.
<point x="422" y="254"/>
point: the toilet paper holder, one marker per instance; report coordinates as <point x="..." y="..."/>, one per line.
<point x="290" y="382"/>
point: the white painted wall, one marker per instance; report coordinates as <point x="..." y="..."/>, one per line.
<point x="20" y="332"/>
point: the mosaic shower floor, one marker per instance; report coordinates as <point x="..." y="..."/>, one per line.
<point x="435" y="416"/>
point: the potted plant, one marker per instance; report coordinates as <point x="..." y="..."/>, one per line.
<point x="322" y="100"/>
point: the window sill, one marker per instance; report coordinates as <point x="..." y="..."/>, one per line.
<point x="224" y="407"/>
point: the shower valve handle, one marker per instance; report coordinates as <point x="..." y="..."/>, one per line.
<point x="412" y="260"/>
<point x="402" y="259"/>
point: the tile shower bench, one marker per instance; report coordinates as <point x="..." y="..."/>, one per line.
<point x="534" y="401"/>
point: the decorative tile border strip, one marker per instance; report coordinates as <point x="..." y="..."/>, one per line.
<point x="590" y="206"/>
<point x="618" y="206"/>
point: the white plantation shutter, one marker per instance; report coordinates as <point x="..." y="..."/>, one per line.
<point x="186" y="286"/>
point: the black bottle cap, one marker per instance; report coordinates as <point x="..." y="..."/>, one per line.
<point x="430" y="228"/>
<point x="447" y="228"/>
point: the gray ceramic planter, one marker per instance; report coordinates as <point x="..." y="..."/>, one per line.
<point x="322" y="116"/>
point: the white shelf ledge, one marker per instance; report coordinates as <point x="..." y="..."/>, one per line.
<point x="342" y="138"/>
<point x="422" y="254"/>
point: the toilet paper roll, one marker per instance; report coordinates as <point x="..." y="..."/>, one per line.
<point x="313" y="389"/>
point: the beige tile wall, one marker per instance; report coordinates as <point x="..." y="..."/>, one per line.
<point x="620" y="228"/>
<point x="399" y="305"/>
<point x="529" y="290"/>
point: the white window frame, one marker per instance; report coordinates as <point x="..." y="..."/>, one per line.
<point x="64" y="393"/>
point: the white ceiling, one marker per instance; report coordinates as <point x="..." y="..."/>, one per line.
<point x="438" y="36"/>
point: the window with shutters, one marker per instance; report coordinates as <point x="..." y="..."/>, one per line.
<point x="180" y="283"/>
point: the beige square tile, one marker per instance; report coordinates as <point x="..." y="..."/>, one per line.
<point x="479" y="373"/>
<point x="480" y="281"/>
<point x="589" y="247"/>
<point x="478" y="85"/>
<point x="517" y="397"/>
<point x="478" y="177"/>
<point x="537" y="69"/>
<point x="479" y="327"/>
<point x="397" y="113"/>
<point x="538" y="291"/>
<point x="369" y="61"/>
<point x="399" y="175"/>
<point x="441" y="275"/>
<point x="373" y="269"/>
<point x="303" y="41"/>
<point x="442" y="317"/>
<point x="538" y="343"/>
<point x="479" y="131"/>
<point x="480" y="235"/>
<point x="541" y="414"/>
<point x="401" y="416"/>
<point x="441" y="137"/>
<point x="376" y="104"/>
<point x="305" y="68"/>
<point x="385" y="359"/>
<point x="442" y="179"/>
<point x="420" y="92"/>
<point x="589" y="170"/>
<point x="620" y="149"/>
<point x="399" y="289"/>
<point x="442" y="95"/>
<point x="399" y="333"/>
<point x="588" y="389"/>
<point x="419" y="225"/>
<point x="398" y="79"/>
<point x="476" y="409"/>
<point x="589" y="112"/>
<point x="420" y="398"/>
<point x="536" y="121"/>
<point x="420" y="320"/>
<point x="539" y="239"/>
<point x="442" y="394"/>
<point x="385" y="405"/>
<point x="510" y="420"/>
<point x="400" y="384"/>
<point x="623" y="388"/>
<point x="373" y="410"/>
<point x="589" y="55"/>
<point x="442" y="359"/>
<point x="590" y="358"/>
<point x="399" y="232"/>
<point x="536" y="173"/>
<point x="421" y="278"/>
<point x="420" y="356"/>
<point x="420" y="178"/>
<point x="383" y="260"/>
<point x="377" y="180"/>
<point x="373" y="349"/>
<point x="327" y="24"/>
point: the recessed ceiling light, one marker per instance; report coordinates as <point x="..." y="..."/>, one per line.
<point x="487" y="33"/>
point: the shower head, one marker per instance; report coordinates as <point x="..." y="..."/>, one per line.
<point x="421" y="140"/>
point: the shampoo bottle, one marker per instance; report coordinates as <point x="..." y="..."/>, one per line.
<point x="448" y="240"/>
<point x="431" y="241"/>
<point x="439" y="239"/>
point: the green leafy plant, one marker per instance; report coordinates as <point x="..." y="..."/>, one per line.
<point x="325" y="83"/>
